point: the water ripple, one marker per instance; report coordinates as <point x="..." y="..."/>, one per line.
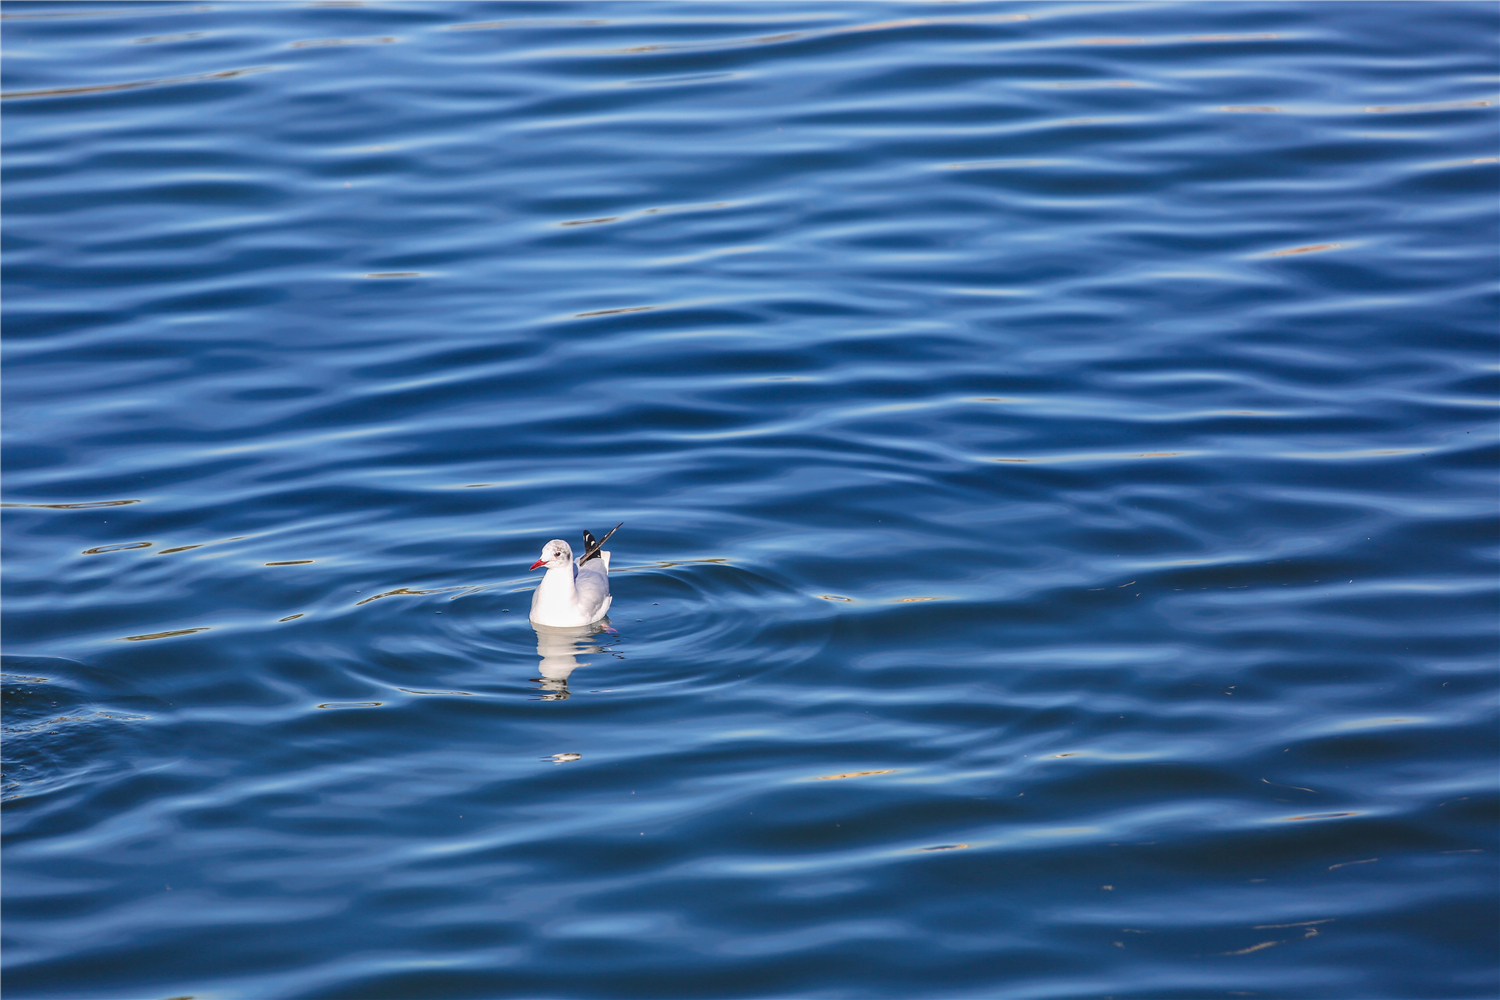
<point x="1055" y="446"/>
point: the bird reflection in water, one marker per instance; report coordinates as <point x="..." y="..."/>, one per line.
<point x="560" y="647"/>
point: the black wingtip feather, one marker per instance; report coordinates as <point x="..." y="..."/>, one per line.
<point x="591" y="548"/>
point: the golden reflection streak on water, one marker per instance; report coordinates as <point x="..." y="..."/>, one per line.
<point x="73" y="506"/>
<point x="1253" y="947"/>
<point x="134" y="84"/>
<point x="1314" y="248"/>
<point x="1360" y="453"/>
<point x="1098" y="456"/>
<point x="122" y="547"/>
<point x="657" y="210"/>
<point x="667" y="564"/>
<point x="403" y="591"/>
<point x="165" y="635"/>
<point x="185" y="548"/>
<point x="1384" y="720"/>
<point x="613" y="312"/>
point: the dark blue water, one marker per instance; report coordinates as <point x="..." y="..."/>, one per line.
<point x="1056" y="446"/>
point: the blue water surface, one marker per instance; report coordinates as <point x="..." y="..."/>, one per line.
<point x="1056" y="448"/>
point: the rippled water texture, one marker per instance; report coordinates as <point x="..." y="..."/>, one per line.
<point x="1056" y="447"/>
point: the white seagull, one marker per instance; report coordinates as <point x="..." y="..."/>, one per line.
<point x="572" y="593"/>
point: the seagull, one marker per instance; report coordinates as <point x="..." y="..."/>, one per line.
<point x="572" y="593"/>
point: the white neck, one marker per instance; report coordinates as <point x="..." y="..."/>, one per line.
<point x="558" y="583"/>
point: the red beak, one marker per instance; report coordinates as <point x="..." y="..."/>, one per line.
<point x="539" y="562"/>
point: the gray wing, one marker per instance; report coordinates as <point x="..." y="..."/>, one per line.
<point x="592" y="584"/>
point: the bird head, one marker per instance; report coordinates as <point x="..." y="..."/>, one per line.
<point x="555" y="553"/>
